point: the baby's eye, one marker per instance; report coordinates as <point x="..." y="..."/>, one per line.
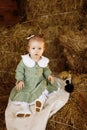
<point x="33" y="48"/>
<point x="39" y="48"/>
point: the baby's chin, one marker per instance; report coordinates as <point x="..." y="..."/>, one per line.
<point x="37" y="56"/>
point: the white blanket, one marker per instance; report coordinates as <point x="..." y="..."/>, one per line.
<point x="38" y="120"/>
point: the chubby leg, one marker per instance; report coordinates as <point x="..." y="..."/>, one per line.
<point x="40" y="101"/>
<point x="25" y="111"/>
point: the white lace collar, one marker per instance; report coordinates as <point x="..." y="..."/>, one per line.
<point x="43" y="62"/>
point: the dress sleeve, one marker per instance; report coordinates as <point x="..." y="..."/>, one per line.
<point x="46" y="72"/>
<point x="20" y="71"/>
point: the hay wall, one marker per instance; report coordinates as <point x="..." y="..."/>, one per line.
<point x="54" y="18"/>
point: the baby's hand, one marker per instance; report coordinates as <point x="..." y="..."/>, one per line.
<point x="20" y="85"/>
<point x="51" y="79"/>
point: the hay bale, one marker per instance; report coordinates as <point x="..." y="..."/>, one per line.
<point x="75" y="47"/>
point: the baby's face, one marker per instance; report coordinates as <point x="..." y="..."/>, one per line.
<point x="36" y="49"/>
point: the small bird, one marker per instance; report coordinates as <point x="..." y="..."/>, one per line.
<point x="69" y="86"/>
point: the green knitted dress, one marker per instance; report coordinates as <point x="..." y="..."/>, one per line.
<point x="35" y="80"/>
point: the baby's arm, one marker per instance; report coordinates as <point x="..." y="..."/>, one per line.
<point x="51" y="79"/>
<point x="20" y="85"/>
<point x="20" y="76"/>
<point x="47" y="74"/>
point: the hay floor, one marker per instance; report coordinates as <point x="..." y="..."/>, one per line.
<point x="73" y="116"/>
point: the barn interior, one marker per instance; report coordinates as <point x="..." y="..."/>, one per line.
<point x="64" y="25"/>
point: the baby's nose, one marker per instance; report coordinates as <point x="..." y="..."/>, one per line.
<point x="36" y="50"/>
